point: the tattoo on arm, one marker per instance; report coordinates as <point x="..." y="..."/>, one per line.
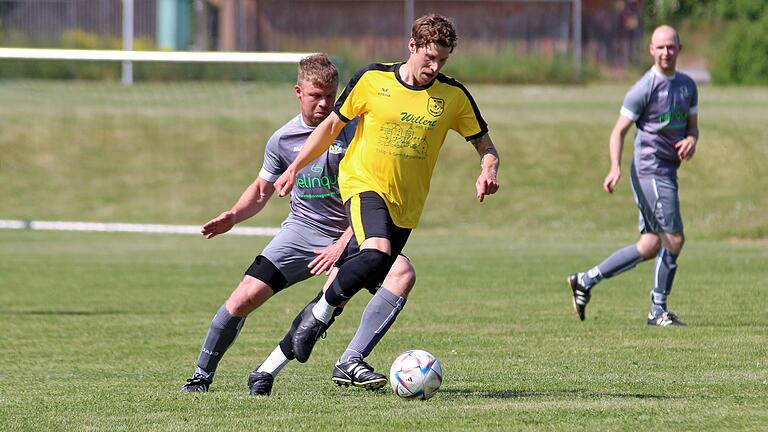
<point x="484" y="148"/>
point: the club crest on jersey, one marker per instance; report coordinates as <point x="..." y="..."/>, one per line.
<point x="336" y="148"/>
<point x="684" y="92"/>
<point x="435" y="106"/>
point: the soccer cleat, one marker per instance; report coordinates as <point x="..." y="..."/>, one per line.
<point x="260" y="383"/>
<point x="196" y="384"/>
<point x="310" y="329"/>
<point x="667" y="319"/>
<point x="580" y="295"/>
<point x="357" y="373"/>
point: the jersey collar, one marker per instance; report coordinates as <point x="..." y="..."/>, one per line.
<point x="301" y="119"/>
<point x="408" y="86"/>
<point x="659" y="74"/>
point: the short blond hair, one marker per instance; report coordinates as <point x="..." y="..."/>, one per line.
<point x="319" y="70"/>
<point x="435" y="29"/>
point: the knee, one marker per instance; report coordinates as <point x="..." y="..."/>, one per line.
<point x="249" y="295"/>
<point x="676" y="243"/>
<point x="648" y="246"/>
<point x="401" y="277"/>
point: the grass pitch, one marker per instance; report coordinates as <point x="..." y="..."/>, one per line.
<point x="100" y="330"/>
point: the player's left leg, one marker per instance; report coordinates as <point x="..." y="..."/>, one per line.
<point x="664" y="276"/>
<point x="261" y="379"/>
<point x="669" y="225"/>
<point x="377" y="318"/>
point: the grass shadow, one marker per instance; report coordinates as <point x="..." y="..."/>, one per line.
<point x="512" y="394"/>
<point x="63" y="312"/>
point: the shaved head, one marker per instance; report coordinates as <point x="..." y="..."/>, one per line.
<point x="664" y="47"/>
<point x="665" y="32"/>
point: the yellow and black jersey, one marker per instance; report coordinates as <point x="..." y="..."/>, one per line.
<point x="399" y="136"/>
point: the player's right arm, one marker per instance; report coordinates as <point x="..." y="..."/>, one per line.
<point x="327" y="257"/>
<point x="615" y="148"/>
<point x="317" y="143"/>
<point x="252" y="201"/>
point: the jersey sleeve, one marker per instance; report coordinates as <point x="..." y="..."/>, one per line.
<point x="635" y="101"/>
<point x="273" y="165"/>
<point x="468" y="121"/>
<point x="694" y="106"/>
<point x="352" y="101"/>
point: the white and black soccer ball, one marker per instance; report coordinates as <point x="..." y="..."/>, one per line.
<point x="416" y="374"/>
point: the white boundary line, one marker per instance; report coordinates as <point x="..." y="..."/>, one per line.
<point x="127" y="227"/>
<point x="164" y="56"/>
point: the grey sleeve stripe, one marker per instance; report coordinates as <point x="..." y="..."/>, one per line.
<point x="268" y="176"/>
<point x="629" y="114"/>
<point x="693" y="110"/>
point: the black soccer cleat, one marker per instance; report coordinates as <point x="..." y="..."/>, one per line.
<point x="260" y="383"/>
<point x="580" y="295"/>
<point x="357" y="373"/>
<point x="667" y="319"/>
<point x="310" y="329"/>
<point x="196" y="384"/>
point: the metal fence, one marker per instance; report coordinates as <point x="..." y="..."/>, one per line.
<point x="369" y="29"/>
<point x="44" y="22"/>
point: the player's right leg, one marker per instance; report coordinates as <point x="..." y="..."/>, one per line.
<point x="380" y="240"/>
<point x="620" y="261"/>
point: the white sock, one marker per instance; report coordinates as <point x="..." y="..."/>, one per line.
<point x="274" y="363"/>
<point x="323" y="311"/>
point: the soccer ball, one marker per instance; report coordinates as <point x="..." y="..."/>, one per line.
<point x="416" y="374"/>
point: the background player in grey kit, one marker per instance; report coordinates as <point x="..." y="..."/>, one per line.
<point x="664" y="105"/>
<point x="310" y="240"/>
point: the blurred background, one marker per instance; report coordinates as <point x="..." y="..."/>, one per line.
<point x="181" y="143"/>
<point x="525" y="41"/>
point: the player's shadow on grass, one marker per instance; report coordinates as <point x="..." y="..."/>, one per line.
<point x="62" y="312"/>
<point x="511" y="394"/>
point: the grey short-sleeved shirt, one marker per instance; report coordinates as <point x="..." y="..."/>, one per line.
<point x="315" y="198"/>
<point x="660" y="105"/>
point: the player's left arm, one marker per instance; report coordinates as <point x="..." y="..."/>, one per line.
<point x="486" y="183"/>
<point x="686" y="147"/>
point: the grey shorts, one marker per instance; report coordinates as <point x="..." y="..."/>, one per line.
<point x="658" y="203"/>
<point x="293" y="248"/>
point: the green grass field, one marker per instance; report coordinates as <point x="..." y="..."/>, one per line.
<point x="99" y="330"/>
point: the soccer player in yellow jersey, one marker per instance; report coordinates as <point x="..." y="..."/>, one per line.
<point x="405" y="111"/>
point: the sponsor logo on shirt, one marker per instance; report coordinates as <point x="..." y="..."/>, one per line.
<point x="314" y="185"/>
<point x="297" y="148"/>
<point x="384" y="92"/>
<point x="407" y="117"/>
<point x="676" y="118"/>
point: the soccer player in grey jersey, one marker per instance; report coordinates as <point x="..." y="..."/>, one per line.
<point x="309" y="242"/>
<point x="664" y="105"/>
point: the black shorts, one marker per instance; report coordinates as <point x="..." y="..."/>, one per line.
<point x="369" y="217"/>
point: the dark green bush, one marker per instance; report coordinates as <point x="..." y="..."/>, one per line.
<point x="743" y="58"/>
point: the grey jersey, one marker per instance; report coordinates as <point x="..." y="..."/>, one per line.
<point x="660" y="106"/>
<point x="315" y="198"/>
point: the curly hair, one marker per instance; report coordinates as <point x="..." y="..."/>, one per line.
<point x="319" y="70"/>
<point x="435" y="29"/>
